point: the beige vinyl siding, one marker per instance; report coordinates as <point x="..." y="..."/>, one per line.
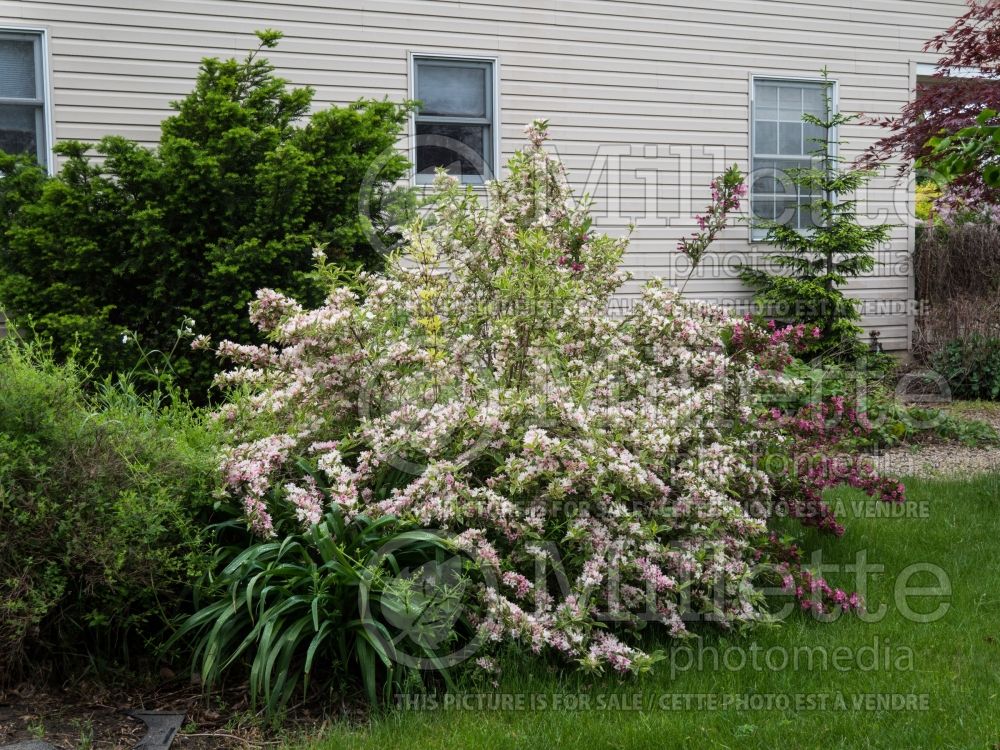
<point x="664" y="86"/>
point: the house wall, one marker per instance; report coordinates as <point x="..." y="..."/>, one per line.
<point x="646" y="100"/>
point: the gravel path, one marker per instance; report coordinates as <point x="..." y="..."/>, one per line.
<point x="929" y="460"/>
<point x="938" y="460"/>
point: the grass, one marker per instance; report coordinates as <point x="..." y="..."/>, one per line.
<point x="950" y="667"/>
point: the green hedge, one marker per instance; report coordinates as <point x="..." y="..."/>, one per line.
<point x="241" y="189"/>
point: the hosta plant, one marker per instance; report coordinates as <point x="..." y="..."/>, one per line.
<point x="602" y="476"/>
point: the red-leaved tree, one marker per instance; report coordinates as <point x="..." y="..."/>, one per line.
<point x="966" y="83"/>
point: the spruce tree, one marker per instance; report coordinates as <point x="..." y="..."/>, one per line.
<point x="813" y="264"/>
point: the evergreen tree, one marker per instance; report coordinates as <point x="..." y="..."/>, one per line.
<point x="814" y="263"/>
<point x="242" y="187"/>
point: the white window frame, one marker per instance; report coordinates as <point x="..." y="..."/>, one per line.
<point x="40" y="34"/>
<point x="932" y="69"/>
<point x="494" y="62"/>
<point x="833" y="149"/>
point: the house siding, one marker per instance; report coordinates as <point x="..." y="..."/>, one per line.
<point x="629" y="88"/>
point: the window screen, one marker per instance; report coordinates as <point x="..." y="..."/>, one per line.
<point x="455" y="122"/>
<point x="22" y="94"/>
<point x="781" y="141"/>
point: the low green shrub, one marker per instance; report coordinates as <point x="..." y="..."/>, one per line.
<point x="104" y="495"/>
<point x="971" y="365"/>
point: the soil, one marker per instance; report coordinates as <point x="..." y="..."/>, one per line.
<point x="92" y="717"/>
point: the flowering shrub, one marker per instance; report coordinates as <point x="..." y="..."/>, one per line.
<point x="728" y="189"/>
<point x="611" y="473"/>
<point x="816" y="430"/>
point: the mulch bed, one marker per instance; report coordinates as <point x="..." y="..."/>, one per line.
<point x="91" y="716"/>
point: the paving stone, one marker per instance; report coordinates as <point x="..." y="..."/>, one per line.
<point x="162" y="727"/>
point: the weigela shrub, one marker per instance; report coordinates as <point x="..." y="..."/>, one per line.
<point x="612" y="472"/>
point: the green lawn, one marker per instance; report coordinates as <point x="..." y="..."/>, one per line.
<point x="948" y="685"/>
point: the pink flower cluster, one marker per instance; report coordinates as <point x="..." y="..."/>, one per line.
<point x="814" y="594"/>
<point x="773" y="348"/>
<point x="816" y="431"/>
<point x="727" y="192"/>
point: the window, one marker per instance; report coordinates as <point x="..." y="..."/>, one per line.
<point x="455" y="125"/>
<point x="781" y="140"/>
<point x="22" y="94"/>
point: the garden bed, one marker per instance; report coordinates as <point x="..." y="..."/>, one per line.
<point x="949" y="679"/>
<point x="94" y="716"/>
<point x="937" y="458"/>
